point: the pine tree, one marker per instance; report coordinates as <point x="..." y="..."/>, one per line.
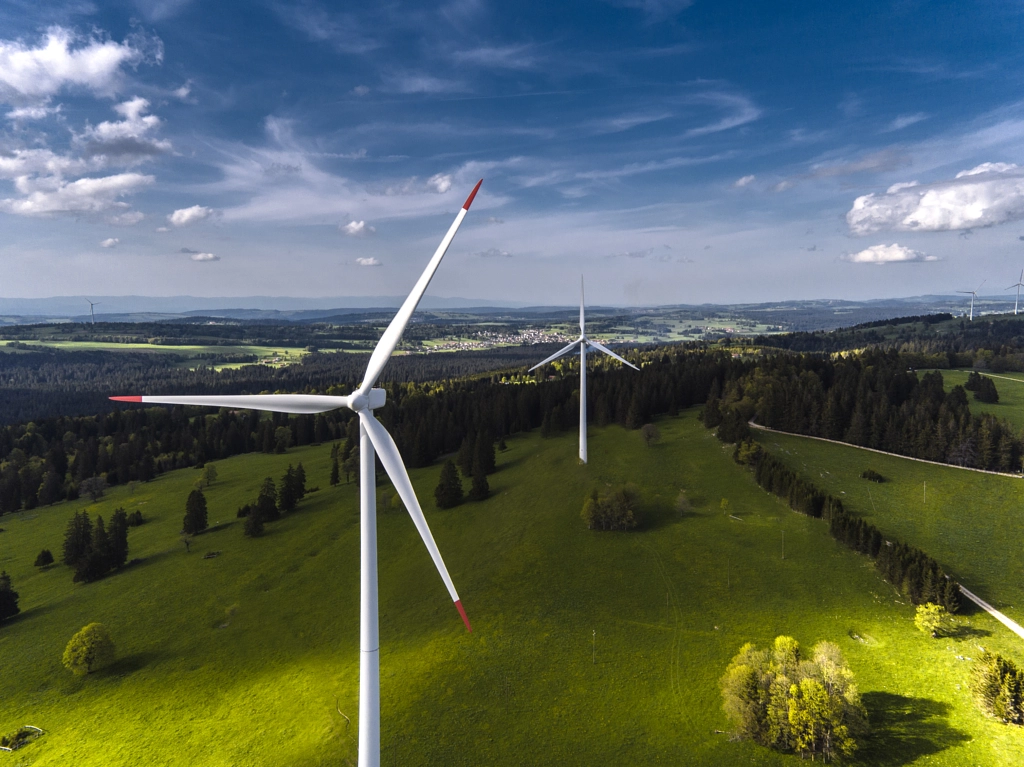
<point x="480" y="489"/>
<point x="266" y="502"/>
<point x="77" y="538"/>
<point x="300" y="482"/>
<point x="334" y="470"/>
<point x="195" y="513"/>
<point x="8" y="598"/>
<point x="287" y="497"/>
<point x="253" y="526"/>
<point x="118" y="539"/>
<point x="464" y="458"/>
<point x="449" y="488"/>
<point x="483" y="454"/>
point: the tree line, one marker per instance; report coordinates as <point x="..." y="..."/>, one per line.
<point x="47" y="460"/>
<point x="871" y="400"/>
<point x="919" y="577"/>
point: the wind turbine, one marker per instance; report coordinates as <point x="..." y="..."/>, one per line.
<point x="91" y="311"/>
<point x="372" y="437"/>
<point x="973" y="294"/>
<point x="583" y="343"/>
<point x="1019" y="284"/>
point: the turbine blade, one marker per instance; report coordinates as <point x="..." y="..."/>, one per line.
<point x="609" y="352"/>
<point x="277" y="403"/>
<point x="556" y="355"/>
<point x="393" y="465"/>
<point x="394" y="331"/>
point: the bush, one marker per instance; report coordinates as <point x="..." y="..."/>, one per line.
<point x="998" y="687"/>
<point x="45" y="558"/>
<point x="872" y="475"/>
<point x="780" y="700"/>
<point x="135" y="518"/>
<point x="90" y="649"/>
<point x="934" y="619"/>
<point x="614" y="509"/>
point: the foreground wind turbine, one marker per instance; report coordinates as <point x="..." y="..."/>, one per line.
<point x="583" y="342"/>
<point x="91" y="305"/>
<point x="372" y="437"/>
<point x="1018" y="284"/>
<point x="973" y="294"/>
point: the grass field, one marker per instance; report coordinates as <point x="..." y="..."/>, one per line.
<point x="242" y="659"/>
<point x="1011" y="394"/>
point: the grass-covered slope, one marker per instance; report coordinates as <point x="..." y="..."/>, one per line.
<point x="242" y="659"/>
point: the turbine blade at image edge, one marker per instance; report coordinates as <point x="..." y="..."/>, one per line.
<point x="556" y="355"/>
<point x="275" y="403"/>
<point x="393" y="465"/>
<point x="610" y="353"/>
<point x="393" y="334"/>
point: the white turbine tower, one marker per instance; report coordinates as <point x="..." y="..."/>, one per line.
<point x="372" y="437"/>
<point x="583" y="343"/>
<point x="91" y="311"/>
<point x="1018" y="284"/>
<point x="973" y="294"/>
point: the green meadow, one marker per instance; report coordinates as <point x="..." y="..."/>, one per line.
<point x="588" y="648"/>
<point x="1011" y="394"/>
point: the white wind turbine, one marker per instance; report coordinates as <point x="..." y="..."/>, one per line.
<point x="583" y="343"/>
<point x="973" y="294"/>
<point x="91" y="311"/>
<point x="1018" y="284"/>
<point x="372" y="437"/>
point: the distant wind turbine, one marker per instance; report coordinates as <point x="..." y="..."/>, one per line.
<point x="91" y="310"/>
<point x="583" y="343"/>
<point x="1019" y="284"/>
<point x="372" y="437"/>
<point x="973" y="294"/>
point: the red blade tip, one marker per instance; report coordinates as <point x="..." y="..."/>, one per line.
<point x="469" y="200"/>
<point x="127" y="399"/>
<point x="458" y="604"/>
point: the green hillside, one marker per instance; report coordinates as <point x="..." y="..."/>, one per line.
<point x="242" y="659"/>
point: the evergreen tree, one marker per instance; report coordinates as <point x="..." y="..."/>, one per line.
<point x="480" y="489"/>
<point x="8" y="598"/>
<point x="95" y="563"/>
<point x="77" y="538"/>
<point x="449" y="489"/>
<point x="117" y="535"/>
<point x="483" y="454"/>
<point x="195" y="513"/>
<point x="253" y="526"/>
<point x="45" y="558"/>
<point x="287" y="497"/>
<point x="334" y="470"/>
<point x="300" y="481"/>
<point x="266" y="502"/>
<point x="464" y="458"/>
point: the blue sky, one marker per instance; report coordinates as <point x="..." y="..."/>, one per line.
<point x="672" y="151"/>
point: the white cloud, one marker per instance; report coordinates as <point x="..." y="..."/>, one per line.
<point x="184" y="91"/>
<point x="368" y="261"/>
<point x="888" y="254"/>
<point x="187" y="216"/>
<point x="162" y="229"/>
<point x="493" y="253"/>
<point x="32" y="162"/>
<point x="742" y="108"/>
<point x="158" y="10"/>
<point x="34" y="74"/>
<point x="495" y="220"/>
<point x="49" y="196"/>
<point x="744" y="181"/>
<point x="204" y="257"/>
<point x="357" y="229"/>
<point x="989" y="194"/>
<point x="904" y="121"/>
<point x="360" y="90"/>
<point x="421" y="83"/>
<point x="440" y="182"/>
<point x="499" y="57"/>
<point x="127" y="140"/>
<point x="35" y="112"/>
<point x="655" y="10"/>
<point x="110" y="242"/>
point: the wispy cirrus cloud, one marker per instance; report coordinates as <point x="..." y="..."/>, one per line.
<point x="904" y="121"/>
<point x="740" y="108"/>
<point x="343" y="31"/>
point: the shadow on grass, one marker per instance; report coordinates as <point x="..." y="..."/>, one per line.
<point x="904" y="729"/>
<point x="129" y="664"/>
<point x="28" y="614"/>
<point x="968" y="632"/>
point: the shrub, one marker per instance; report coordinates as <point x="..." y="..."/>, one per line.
<point x="45" y="558"/>
<point x="872" y="475"/>
<point x="614" y="509"/>
<point x="650" y="434"/>
<point x="90" y="649"/>
<point x="780" y="700"/>
<point x="934" y="619"/>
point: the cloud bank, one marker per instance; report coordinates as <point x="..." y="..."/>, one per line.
<point x="986" y="195"/>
